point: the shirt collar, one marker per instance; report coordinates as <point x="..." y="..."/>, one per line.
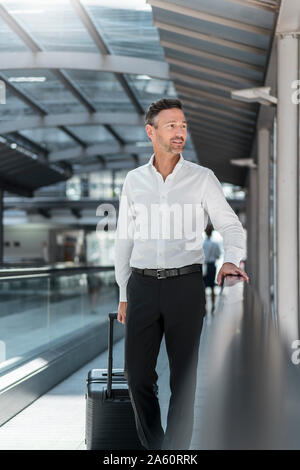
<point x="176" y="167"/>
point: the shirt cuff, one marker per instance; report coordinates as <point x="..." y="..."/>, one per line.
<point x="230" y="258"/>
<point x="123" y="293"/>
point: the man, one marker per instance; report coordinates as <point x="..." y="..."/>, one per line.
<point x="160" y="277"/>
<point x="212" y="252"/>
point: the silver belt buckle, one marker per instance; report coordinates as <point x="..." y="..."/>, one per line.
<point x="158" y="274"/>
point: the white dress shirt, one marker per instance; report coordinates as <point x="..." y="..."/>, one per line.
<point x="148" y="235"/>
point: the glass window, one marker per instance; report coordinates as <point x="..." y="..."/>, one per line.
<point x="73" y="188"/>
<point x="118" y="181"/>
<point x="101" y="184"/>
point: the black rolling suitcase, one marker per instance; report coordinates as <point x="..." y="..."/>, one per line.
<point x="110" y="421"/>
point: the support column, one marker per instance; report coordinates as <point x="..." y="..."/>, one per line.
<point x="1" y="226"/>
<point x="252" y="228"/>
<point x="263" y="154"/>
<point x="287" y="189"/>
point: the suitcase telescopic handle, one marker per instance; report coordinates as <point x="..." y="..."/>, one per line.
<point x="112" y="317"/>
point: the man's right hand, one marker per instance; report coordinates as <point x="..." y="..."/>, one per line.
<point x="122" y="312"/>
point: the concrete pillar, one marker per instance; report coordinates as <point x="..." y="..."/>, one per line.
<point x="263" y="176"/>
<point x="287" y="189"/>
<point x="1" y="226"/>
<point x="252" y="228"/>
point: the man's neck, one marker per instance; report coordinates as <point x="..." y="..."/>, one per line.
<point x="165" y="163"/>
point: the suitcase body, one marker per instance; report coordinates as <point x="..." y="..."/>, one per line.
<point x="110" y="420"/>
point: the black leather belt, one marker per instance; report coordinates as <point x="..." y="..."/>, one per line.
<point x="163" y="273"/>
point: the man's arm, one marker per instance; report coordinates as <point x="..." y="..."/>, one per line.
<point x="124" y="241"/>
<point x="225" y="221"/>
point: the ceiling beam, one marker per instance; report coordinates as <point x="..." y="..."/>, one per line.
<point x="209" y="38"/>
<point x="209" y="70"/>
<point x="195" y="100"/>
<point x="216" y="98"/>
<point x="191" y="106"/>
<point x="22" y="95"/>
<point x="215" y="134"/>
<point x="73" y="136"/>
<point x="188" y="79"/>
<point x="265" y="5"/>
<point x="224" y="146"/>
<point x="71" y="119"/>
<point x="215" y="57"/>
<point x="201" y="15"/>
<point x="194" y="113"/>
<point x="84" y="61"/>
<point x="18" y="30"/>
<point x="108" y="148"/>
<point x="115" y="134"/>
<point x="225" y="127"/>
<point x="215" y="153"/>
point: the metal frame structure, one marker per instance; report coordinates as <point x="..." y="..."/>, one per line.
<point x="204" y="75"/>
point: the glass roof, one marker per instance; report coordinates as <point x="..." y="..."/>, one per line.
<point x="14" y="108"/>
<point x="131" y="133"/>
<point x="127" y="31"/>
<point x="49" y="138"/>
<point x="45" y="89"/>
<point x="52" y="23"/>
<point x="12" y="42"/>
<point x="102" y="89"/>
<point x="91" y="134"/>
<point x="126" y="28"/>
<point x="150" y="89"/>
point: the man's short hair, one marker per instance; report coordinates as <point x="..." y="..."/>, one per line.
<point x="158" y="106"/>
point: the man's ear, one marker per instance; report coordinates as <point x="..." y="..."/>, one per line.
<point x="149" y="131"/>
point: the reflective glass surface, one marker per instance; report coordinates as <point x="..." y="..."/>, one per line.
<point x="126" y="28"/>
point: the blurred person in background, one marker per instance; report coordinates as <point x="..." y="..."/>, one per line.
<point x="212" y="253"/>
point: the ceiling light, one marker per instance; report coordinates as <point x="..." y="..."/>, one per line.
<point x="252" y="95"/>
<point x="243" y="162"/>
<point x="26" y="79"/>
<point x="143" y="77"/>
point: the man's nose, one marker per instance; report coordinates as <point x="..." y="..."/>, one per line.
<point x="180" y="133"/>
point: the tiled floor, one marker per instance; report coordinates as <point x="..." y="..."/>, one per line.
<point x="57" y="419"/>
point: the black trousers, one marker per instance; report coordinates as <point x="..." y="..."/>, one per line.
<point x="175" y="307"/>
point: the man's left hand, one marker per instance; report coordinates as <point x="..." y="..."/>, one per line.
<point x="232" y="270"/>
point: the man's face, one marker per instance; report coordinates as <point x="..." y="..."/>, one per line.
<point x="169" y="132"/>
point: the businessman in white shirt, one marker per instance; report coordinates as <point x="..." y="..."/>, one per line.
<point x="164" y="209"/>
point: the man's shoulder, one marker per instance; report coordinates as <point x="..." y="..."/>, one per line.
<point x="137" y="171"/>
<point x="197" y="167"/>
